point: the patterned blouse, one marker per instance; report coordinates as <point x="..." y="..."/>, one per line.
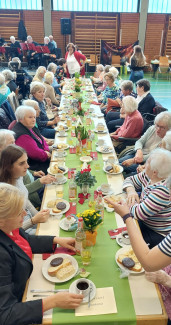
<point x="112" y="92"/>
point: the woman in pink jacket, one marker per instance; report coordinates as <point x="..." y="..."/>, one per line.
<point x="132" y="126"/>
<point x="75" y="61"/>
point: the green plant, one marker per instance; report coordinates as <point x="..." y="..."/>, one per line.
<point x="77" y="75"/>
<point x="77" y="89"/>
<point x="80" y="112"/>
<point x="84" y="177"/>
<point x="80" y="99"/>
<point x="91" y="219"/>
<point x="83" y="132"/>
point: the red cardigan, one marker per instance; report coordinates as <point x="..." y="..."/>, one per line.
<point x="131" y="128"/>
<point x="78" y="57"/>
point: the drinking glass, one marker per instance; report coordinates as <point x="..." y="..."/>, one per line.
<point x="59" y="191"/>
<point x="97" y="167"/>
<point x="86" y="252"/>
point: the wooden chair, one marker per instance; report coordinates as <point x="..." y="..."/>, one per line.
<point x="163" y="66"/>
<point x="116" y="60"/>
<point x="94" y="60"/>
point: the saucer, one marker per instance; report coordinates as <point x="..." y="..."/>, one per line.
<point x="119" y="241"/>
<point x="104" y="193"/>
<point x="63" y="225"/>
<point x="72" y="289"/>
<point x="57" y="155"/>
<point x="62" y="136"/>
<point x="60" y="182"/>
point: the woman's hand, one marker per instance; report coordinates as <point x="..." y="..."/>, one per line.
<point x="41" y="216"/>
<point x="67" y="242"/>
<point x="128" y="162"/>
<point x="132" y="197"/>
<point x="139" y="156"/>
<point x="50" y="142"/>
<point x="40" y="173"/>
<point x="64" y="300"/>
<point x="140" y="168"/>
<point x="48" y="154"/>
<point x="113" y="133"/>
<point x="48" y="179"/>
<point x="160" y="277"/>
<point x="120" y="207"/>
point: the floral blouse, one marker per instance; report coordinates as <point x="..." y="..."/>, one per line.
<point x="112" y="92"/>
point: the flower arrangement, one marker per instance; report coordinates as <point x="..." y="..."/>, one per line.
<point x="84" y="177"/>
<point x="83" y="132"/>
<point x="77" y="88"/>
<point x="91" y="219"/>
<point x="77" y="75"/>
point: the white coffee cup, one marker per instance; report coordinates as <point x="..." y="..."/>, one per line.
<point x="105" y="188"/>
<point x="100" y="142"/>
<point x="111" y="159"/>
<point x="69" y="220"/>
<point x="83" y="286"/>
<point x="62" y="133"/>
<point x="125" y="237"/>
<point x="60" y="152"/>
<point x="59" y="177"/>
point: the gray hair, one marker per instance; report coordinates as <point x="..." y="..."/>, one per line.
<point x="167" y="140"/>
<point x="49" y="77"/>
<point x="29" y="37"/>
<point x="2" y="79"/>
<point x="4" y="134"/>
<point x="100" y="67"/>
<point x="36" y="86"/>
<point x="30" y="102"/>
<point x="127" y="85"/>
<point x="106" y="68"/>
<point x="40" y="70"/>
<point x="12" y="37"/>
<point x="21" y="111"/>
<point x="46" y="38"/>
<point x="165" y="117"/>
<point x="52" y="67"/>
<point x="130" y="104"/>
<point x="110" y="75"/>
<point x="114" y="71"/>
<point x="8" y="74"/>
<point x="160" y="161"/>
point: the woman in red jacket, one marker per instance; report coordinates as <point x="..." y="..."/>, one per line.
<point x="75" y="61"/>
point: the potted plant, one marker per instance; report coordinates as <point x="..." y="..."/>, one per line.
<point x="80" y="111"/>
<point x="77" y="88"/>
<point x="83" y="132"/>
<point x="77" y="75"/>
<point x="84" y="179"/>
<point x="91" y="219"/>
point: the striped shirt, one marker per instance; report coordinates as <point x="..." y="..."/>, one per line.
<point x="154" y="208"/>
<point x="165" y="245"/>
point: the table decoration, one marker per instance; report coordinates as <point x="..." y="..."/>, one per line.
<point x="84" y="179"/>
<point x="91" y="219"/>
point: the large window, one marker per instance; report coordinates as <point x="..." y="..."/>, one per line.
<point x="96" y="5"/>
<point x="159" y="6"/>
<point x="21" y="4"/>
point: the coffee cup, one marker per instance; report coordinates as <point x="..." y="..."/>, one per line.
<point x="101" y="142"/>
<point x="111" y="159"/>
<point x="69" y="220"/>
<point x="59" y="177"/>
<point x="60" y="152"/>
<point x="105" y="188"/>
<point x="83" y="287"/>
<point x="125" y="237"/>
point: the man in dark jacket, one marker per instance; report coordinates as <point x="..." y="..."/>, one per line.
<point x="15" y="49"/>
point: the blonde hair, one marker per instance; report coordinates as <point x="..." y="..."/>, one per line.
<point x="114" y="71"/>
<point x="36" y="86"/>
<point x="138" y="56"/>
<point x="49" y="77"/>
<point x="110" y="75"/>
<point x="11" y="200"/>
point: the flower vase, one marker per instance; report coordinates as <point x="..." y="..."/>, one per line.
<point x="91" y="236"/>
<point x="84" y="143"/>
<point x="84" y="189"/>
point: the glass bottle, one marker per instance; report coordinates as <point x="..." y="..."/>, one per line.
<point x="99" y="205"/>
<point x="78" y="144"/>
<point x="89" y="141"/>
<point x="80" y="237"/>
<point x="72" y="188"/>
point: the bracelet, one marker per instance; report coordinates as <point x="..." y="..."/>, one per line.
<point x="126" y="216"/>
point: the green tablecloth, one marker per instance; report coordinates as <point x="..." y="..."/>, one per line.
<point x="103" y="268"/>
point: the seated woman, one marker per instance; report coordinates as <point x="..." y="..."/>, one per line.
<point x="40" y="73"/>
<point x="16" y="249"/>
<point x="145" y="100"/>
<point x="13" y="166"/>
<point x="99" y="74"/>
<point x="45" y="126"/>
<point x="153" y="209"/>
<point x="111" y="90"/>
<point x="6" y="138"/>
<point x="49" y="90"/>
<point x="104" y="84"/>
<point x="28" y="137"/>
<point x="4" y="89"/>
<point x="115" y="73"/>
<point x="52" y="67"/>
<point x="132" y="126"/>
<point x="150" y="140"/>
<point x="10" y="79"/>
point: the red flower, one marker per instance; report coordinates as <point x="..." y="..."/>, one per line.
<point x="82" y="171"/>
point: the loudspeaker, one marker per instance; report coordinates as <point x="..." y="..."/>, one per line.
<point x="65" y="26"/>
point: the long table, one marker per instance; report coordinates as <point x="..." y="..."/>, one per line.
<point x="138" y="301"/>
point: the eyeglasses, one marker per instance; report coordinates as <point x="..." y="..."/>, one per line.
<point x="160" y="127"/>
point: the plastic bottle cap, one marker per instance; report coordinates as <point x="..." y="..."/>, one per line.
<point x="80" y="219"/>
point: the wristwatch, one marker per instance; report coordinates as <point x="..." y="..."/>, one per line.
<point x="126" y="216"/>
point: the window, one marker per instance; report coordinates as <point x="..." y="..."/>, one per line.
<point x="96" y="5"/>
<point x="21" y="4"/>
<point x="159" y="6"/>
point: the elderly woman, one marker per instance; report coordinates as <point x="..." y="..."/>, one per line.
<point x="9" y="79"/>
<point x="52" y="67"/>
<point x="16" y="249"/>
<point x="111" y="90"/>
<point x="6" y="138"/>
<point x="115" y="73"/>
<point x="49" y="90"/>
<point x="150" y="140"/>
<point x="145" y="100"/>
<point x="132" y="126"/>
<point x="98" y="80"/>
<point x="4" y="89"/>
<point x="46" y="126"/>
<point x="75" y="61"/>
<point x="104" y="84"/>
<point x="28" y="137"/>
<point x="40" y="73"/>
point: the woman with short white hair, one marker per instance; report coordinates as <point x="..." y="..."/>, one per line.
<point x="28" y="137"/>
<point x="6" y="138"/>
<point x="9" y="79"/>
<point x="52" y="67"/>
<point x="40" y="72"/>
<point x="132" y="126"/>
<point x="50" y="92"/>
<point x="98" y="80"/>
<point x="115" y="73"/>
<point x="4" y="89"/>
